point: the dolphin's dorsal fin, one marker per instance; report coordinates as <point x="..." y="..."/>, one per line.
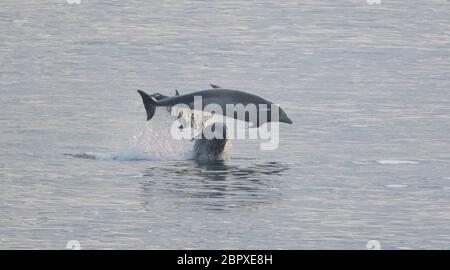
<point x="176" y="92"/>
<point x="215" y="86"/>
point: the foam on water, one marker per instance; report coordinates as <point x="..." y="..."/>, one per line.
<point x="386" y="162"/>
<point x="152" y="142"/>
<point x="396" y="162"/>
<point x="396" y="186"/>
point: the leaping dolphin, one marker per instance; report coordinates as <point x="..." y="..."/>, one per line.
<point x="221" y="97"/>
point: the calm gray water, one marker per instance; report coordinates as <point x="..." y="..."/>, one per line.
<point x="367" y="158"/>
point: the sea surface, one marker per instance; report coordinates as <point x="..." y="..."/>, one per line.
<point x="367" y="158"/>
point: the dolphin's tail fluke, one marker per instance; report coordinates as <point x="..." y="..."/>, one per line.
<point x="149" y="104"/>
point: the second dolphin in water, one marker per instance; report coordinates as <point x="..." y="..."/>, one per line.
<point x="208" y="147"/>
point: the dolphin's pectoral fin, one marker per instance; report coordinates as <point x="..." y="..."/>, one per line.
<point x="215" y="86"/>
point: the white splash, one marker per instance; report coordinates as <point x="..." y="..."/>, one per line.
<point x="396" y="186"/>
<point x="154" y="141"/>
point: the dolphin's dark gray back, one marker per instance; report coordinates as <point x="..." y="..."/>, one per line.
<point x="234" y="96"/>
